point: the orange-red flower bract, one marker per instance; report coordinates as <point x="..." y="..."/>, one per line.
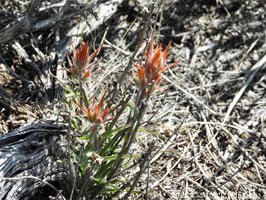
<point x="86" y="74"/>
<point x="96" y="113"/>
<point x="151" y="71"/>
<point x="81" y="59"/>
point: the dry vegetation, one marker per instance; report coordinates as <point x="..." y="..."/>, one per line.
<point x="209" y="125"/>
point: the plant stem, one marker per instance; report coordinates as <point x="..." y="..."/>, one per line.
<point x="80" y="91"/>
<point x="142" y="36"/>
<point x="143" y="166"/>
<point x="85" y="183"/>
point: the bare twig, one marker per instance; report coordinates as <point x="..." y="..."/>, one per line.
<point x="254" y="70"/>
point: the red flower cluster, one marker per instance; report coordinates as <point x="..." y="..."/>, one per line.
<point x="155" y="62"/>
<point x="96" y="113"/>
<point x="80" y="62"/>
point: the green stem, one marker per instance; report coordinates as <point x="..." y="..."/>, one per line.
<point x="80" y="91"/>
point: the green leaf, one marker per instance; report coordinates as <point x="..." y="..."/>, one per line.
<point x="73" y="123"/>
<point x="111" y="139"/>
<point x="110" y="133"/>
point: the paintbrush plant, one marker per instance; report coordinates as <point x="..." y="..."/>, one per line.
<point x="80" y="63"/>
<point x="150" y="72"/>
<point x="100" y="143"/>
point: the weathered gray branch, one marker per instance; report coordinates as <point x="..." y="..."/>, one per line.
<point x="33" y="162"/>
<point x="32" y="22"/>
<point x="21" y="25"/>
<point x="5" y="100"/>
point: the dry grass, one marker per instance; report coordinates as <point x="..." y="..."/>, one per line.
<point x="209" y="126"/>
